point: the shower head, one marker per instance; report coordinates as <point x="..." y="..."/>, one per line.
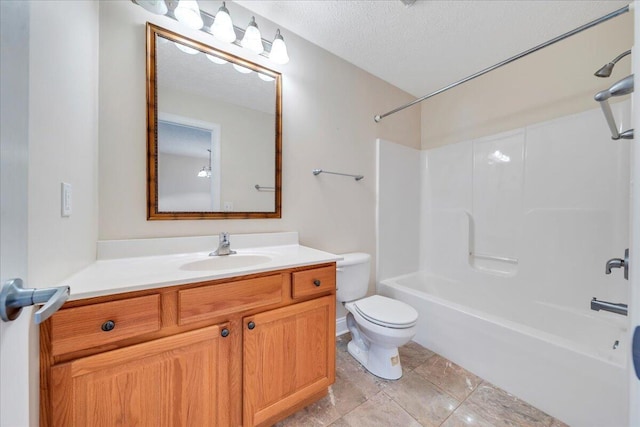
<point x="606" y="69"/>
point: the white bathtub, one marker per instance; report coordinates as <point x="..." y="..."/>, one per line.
<point x="559" y="359"/>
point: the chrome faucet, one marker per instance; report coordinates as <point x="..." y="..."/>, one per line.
<point x="224" y="247"/>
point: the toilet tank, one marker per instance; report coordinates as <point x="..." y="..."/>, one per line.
<point x="352" y="276"/>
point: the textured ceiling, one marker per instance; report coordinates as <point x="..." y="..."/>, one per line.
<point x="432" y="43"/>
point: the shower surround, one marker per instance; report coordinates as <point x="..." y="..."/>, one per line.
<point x="515" y="230"/>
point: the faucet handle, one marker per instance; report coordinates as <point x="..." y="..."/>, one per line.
<point x="224" y="237"/>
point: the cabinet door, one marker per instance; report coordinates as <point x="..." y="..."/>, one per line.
<point x="181" y="380"/>
<point x="289" y="357"/>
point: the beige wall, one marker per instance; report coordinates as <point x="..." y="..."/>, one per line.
<point x="63" y="138"/>
<point x="179" y="186"/>
<point x="328" y="109"/>
<point x="553" y="82"/>
<point x="63" y="146"/>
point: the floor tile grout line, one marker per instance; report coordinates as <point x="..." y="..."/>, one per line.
<point x="462" y="402"/>
<point x="402" y="407"/>
<point x="448" y="393"/>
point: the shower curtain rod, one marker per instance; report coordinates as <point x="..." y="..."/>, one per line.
<point x="507" y="61"/>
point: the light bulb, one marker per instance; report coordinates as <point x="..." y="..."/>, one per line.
<point x="215" y="59"/>
<point x="278" y="52"/>
<point x="156" y="6"/>
<point x="252" y="39"/>
<point x="265" y="77"/>
<point x="241" y="69"/>
<point x="186" y="49"/>
<point x="202" y="173"/>
<point x="222" y="27"/>
<point x="188" y="13"/>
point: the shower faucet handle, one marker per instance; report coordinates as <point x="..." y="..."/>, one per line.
<point x="619" y="263"/>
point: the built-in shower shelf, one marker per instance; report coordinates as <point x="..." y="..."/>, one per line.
<point x="503" y="266"/>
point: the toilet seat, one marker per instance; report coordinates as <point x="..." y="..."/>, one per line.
<point x="386" y="312"/>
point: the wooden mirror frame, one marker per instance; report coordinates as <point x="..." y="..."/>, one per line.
<point x="152" y="130"/>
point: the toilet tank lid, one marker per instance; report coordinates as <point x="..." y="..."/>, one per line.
<point x="353" y="258"/>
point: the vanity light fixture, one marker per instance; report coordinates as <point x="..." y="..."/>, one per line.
<point x="205" y="172"/>
<point x="278" y="52"/>
<point x="159" y="7"/>
<point x="222" y="27"/>
<point x="252" y="39"/>
<point x="216" y="60"/>
<point x="265" y="77"/>
<point x="186" y="49"/>
<point x="188" y="13"/>
<point x="241" y="69"/>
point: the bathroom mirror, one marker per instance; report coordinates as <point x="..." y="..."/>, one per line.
<point x="213" y="134"/>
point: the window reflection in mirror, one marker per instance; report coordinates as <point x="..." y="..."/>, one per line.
<point x="214" y="132"/>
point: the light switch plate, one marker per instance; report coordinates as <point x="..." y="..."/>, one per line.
<point x="65" y="201"/>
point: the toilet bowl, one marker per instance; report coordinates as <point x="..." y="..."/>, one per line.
<point x="378" y="325"/>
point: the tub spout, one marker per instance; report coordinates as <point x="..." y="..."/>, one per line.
<point x="612" y="307"/>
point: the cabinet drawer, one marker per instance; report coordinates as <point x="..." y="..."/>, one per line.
<point x="208" y="302"/>
<point x="312" y="282"/>
<point x="84" y="327"/>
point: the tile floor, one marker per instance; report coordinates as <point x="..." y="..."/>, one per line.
<point x="432" y="392"/>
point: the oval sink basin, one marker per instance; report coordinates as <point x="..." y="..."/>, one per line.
<point x="226" y="262"/>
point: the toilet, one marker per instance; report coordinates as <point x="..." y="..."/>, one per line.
<point x="378" y="325"/>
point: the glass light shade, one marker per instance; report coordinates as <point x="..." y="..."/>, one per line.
<point x="222" y="27"/>
<point x="265" y="77"/>
<point x="155" y="6"/>
<point x="278" y="52"/>
<point x="241" y="69"/>
<point x="215" y="59"/>
<point x="187" y="49"/>
<point x="202" y="173"/>
<point x="188" y="13"/>
<point x="252" y="39"/>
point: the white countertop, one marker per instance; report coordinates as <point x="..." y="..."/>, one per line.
<point x="118" y="275"/>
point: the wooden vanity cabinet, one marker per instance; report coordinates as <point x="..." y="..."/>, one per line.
<point x="241" y="351"/>
<point x="178" y="380"/>
<point x="288" y="359"/>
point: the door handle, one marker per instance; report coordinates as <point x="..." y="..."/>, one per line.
<point x="13" y="297"/>
<point x="619" y="263"/>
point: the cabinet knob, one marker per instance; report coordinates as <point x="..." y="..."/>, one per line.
<point x="108" y="325"/>
<point x="224" y="333"/>
<point x="317" y="282"/>
<point x="251" y="325"/>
